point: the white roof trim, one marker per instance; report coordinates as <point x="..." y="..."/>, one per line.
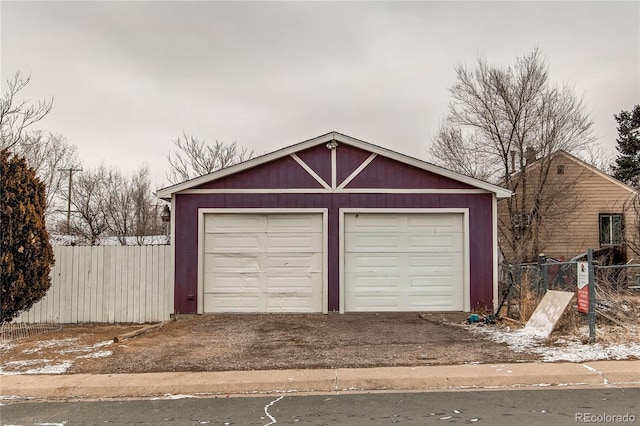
<point x="167" y="192"/>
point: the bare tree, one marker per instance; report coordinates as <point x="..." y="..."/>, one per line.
<point x="131" y="209"/>
<point x="16" y="114"/>
<point x="195" y="157"/>
<point x="146" y="208"/>
<point x="117" y="206"/>
<point x="45" y="153"/>
<point x="88" y="220"/>
<point x="500" y="120"/>
<point x="48" y="154"/>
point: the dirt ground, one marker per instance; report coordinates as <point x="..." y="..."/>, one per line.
<point x="257" y="342"/>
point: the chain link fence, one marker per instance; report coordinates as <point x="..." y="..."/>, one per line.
<point x="617" y="290"/>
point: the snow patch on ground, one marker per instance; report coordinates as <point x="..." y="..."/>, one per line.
<point x="6" y="346"/>
<point x="171" y="396"/>
<point x="51" y="368"/>
<point x="46" y="344"/>
<point x="66" y="347"/>
<point x="563" y="349"/>
<point x="99" y="354"/>
<point x="59" y="368"/>
<point x="86" y="348"/>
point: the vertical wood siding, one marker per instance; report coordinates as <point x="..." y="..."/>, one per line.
<point x="106" y="284"/>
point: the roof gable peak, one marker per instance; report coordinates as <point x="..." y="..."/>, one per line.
<point x="332" y="141"/>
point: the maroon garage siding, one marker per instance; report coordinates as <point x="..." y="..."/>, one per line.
<point x="382" y="172"/>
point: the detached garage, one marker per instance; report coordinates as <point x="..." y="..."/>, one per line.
<point x="334" y="224"/>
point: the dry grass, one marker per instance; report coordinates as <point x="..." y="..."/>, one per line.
<point x="523" y="298"/>
<point x="529" y="298"/>
<point x="617" y="307"/>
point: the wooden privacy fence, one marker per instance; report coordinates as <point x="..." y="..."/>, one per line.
<point x="106" y="284"/>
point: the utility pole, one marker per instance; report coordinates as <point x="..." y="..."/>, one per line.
<point x="70" y="170"/>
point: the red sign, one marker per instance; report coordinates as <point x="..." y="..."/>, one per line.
<point x="583" y="287"/>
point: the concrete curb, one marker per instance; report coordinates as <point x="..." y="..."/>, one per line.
<point x="477" y="376"/>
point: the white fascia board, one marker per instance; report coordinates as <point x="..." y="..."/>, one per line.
<point x="500" y="192"/>
<point x="236" y="168"/>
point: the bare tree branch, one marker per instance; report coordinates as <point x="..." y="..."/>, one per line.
<point x="500" y="116"/>
<point x="47" y="154"/>
<point x="17" y="115"/>
<point x="195" y="157"/>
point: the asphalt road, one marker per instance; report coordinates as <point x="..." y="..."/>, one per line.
<point x="500" y="407"/>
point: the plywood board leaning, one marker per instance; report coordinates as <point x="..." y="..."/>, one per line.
<point x="548" y="312"/>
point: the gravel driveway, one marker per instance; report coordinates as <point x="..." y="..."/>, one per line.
<point x="260" y="341"/>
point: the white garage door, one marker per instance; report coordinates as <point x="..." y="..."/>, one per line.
<point x="404" y="262"/>
<point x="263" y="263"/>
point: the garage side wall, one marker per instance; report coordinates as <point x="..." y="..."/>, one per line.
<point x="186" y="236"/>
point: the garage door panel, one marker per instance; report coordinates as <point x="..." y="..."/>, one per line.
<point x="436" y="259"/>
<point x="232" y="262"/>
<point x="435" y="223"/>
<point x="370" y="242"/>
<point x="435" y="302"/>
<point x="235" y="223"/>
<point x="385" y="223"/>
<point x="285" y="242"/>
<point x="292" y="284"/>
<point x="381" y="302"/>
<point x="293" y="223"/>
<point x="433" y="243"/>
<point x="231" y="283"/>
<point x="275" y="264"/>
<point x="385" y="264"/>
<point x="299" y="303"/>
<point x="233" y="242"/>
<point x="403" y="262"/>
<point x="438" y="280"/>
<point x="241" y="302"/>
<point x="371" y="222"/>
<point x="389" y="301"/>
<point x="373" y="283"/>
<point x="294" y="260"/>
<point x="372" y="263"/>
<point x="406" y="242"/>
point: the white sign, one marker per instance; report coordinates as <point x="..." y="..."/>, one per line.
<point x="583" y="287"/>
<point x="583" y="274"/>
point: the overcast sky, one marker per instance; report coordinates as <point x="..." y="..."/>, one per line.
<point x="129" y="77"/>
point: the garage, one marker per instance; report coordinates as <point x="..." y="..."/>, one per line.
<point x="263" y="262"/>
<point x="334" y="224"/>
<point x="404" y="262"/>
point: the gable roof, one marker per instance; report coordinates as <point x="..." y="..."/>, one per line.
<point x="167" y="192"/>
<point x="587" y="166"/>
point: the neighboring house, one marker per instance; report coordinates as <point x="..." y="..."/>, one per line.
<point x="334" y="224"/>
<point x="586" y="209"/>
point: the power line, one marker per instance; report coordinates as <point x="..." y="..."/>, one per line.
<point x="70" y="170"/>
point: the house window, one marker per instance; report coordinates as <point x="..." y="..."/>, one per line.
<point x="611" y="229"/>
<point x="560" y="169"/>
